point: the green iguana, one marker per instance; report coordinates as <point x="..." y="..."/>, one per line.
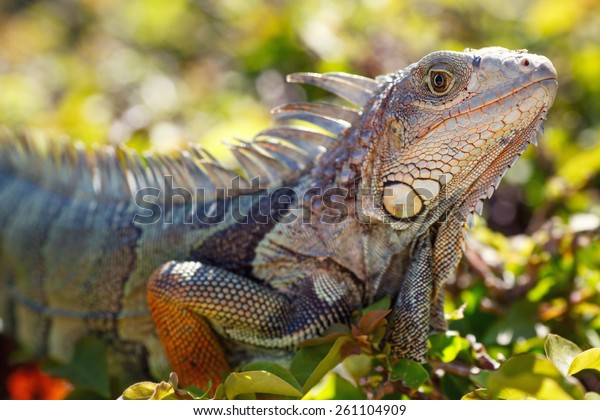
<point x="181" y="264"/>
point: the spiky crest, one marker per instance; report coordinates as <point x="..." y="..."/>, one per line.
<point x="115" y="172"/>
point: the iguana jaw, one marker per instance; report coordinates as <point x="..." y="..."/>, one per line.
<point x="469" y="135"/>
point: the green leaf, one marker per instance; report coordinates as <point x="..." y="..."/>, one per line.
<point x="336" y="354"/>
<point x="561" y="352"/>
<point x="589" y="359"/>
<point x="220" y="392"/>
<point x="592" y="396"/>
<point x="198" y="393"/>
<point x="513" y="394"/>
<point x="410" y="372"/>
<point x="531" y="376"/>
<point x="358" y="365"/>
<point x="154" y="391"/>
<point x="88" y="368"/>
<point x="447" y="346"/>
<point x="529" y="345"/>
<point x="257" y="381"/>
<point x="454" y="386"/>
<point x="344" y="390"/>
<point x="503" y="394"/>
<point x="139" y="391"/>
<point x="334" y="387"/>
<point x="275" y="369"/>
<point x="481" y="379"/>
<point x="478" y="394"/>
<point x="307" y="359"/>
<point x="164" y="391"/>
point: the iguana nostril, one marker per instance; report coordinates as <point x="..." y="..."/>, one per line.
<point x="525" y="62"/>
<point x="543" y="69"/>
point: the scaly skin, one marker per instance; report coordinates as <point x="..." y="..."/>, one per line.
<point x="380" y="212"/>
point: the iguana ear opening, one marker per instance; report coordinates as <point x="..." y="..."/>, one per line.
<point x="401" y="200"/>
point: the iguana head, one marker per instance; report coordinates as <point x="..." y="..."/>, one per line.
<point x="449" y="128"/>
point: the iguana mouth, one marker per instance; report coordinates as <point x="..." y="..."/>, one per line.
<point x="539" y="76"/>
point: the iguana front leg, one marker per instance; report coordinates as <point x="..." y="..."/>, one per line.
<point x="419" y="307"/>
<point x="410" y="318"/>
<point x="189" y="300"/>
<point x="447" y="252"/>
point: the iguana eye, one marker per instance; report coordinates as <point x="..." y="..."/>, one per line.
<point x="440" y="81"/>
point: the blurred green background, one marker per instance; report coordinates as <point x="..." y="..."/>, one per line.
<point x="157" y="74"/>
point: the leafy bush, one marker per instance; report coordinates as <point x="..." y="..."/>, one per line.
<point x="355" y="367"/>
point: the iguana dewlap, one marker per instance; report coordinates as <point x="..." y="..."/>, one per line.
<point x="175" y="255"/>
